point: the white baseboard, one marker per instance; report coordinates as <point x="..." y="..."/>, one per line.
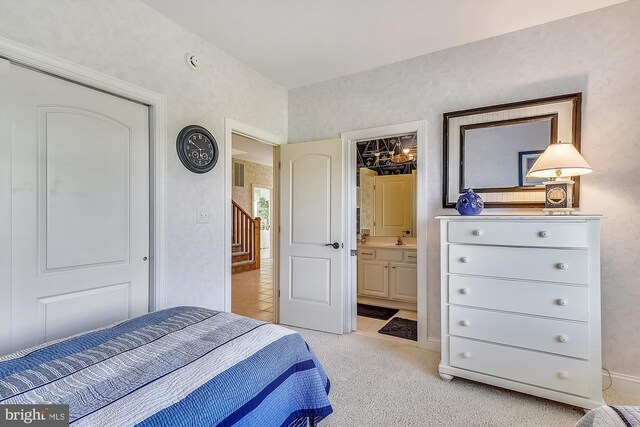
<point x="621" y="382"/>
<point x="432" y="344"/>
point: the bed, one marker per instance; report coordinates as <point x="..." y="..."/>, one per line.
<point x="611" y="416"/>
<point x="184" y="366"/>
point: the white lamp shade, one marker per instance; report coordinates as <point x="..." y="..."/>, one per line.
<point x="559" y="160"/>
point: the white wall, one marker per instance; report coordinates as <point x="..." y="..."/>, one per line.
<point x="597" y="53"/>
<point x="131" y="41"/>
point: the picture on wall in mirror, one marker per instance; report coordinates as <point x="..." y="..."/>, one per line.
<point x="526" y="159"/>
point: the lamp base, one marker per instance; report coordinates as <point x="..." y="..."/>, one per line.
<point x="558" y="197"/>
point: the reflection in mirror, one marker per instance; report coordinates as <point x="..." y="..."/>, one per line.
<point x="386" y="187"/>
<point x="499" y="154"/>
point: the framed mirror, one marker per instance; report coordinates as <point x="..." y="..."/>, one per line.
<point x="491" y="149"/>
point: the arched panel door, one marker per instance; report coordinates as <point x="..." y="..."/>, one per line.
<point x="79" y="208"/>
<point x="311" y="258"/>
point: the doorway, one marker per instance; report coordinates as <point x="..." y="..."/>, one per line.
<point x="252" y="257"/>
<point x="262" y="208"/>
<point x="387" y="250"/>
<point x="418" y="222"/>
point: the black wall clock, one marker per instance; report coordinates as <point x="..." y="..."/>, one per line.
<point x="197" y="149"/>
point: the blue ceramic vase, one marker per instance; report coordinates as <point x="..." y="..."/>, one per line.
<point x="469" y="203"/>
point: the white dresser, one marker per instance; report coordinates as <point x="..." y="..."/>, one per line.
<point x="521" y="304"/>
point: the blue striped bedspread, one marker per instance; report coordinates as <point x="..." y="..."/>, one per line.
<point x="184" y="366"/>
<point x="611" y="416"/>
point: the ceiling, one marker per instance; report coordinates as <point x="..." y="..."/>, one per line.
<point x="249" y="149"/>
<point x="300" y="42"/>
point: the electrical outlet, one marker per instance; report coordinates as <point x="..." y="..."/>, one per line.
<point x="203" y="215"/>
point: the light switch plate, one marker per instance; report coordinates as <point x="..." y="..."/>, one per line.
<point x="203" y="215"/>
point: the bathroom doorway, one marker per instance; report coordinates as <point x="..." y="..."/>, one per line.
<point x="387" y="180"/>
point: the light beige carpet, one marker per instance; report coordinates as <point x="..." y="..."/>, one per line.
<point x="382" y="383"/>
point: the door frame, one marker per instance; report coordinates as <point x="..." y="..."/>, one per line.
<point x="349" y="140"/>
<point x="271" y="207"/>
<point x="232" y="126"/>
<point x="57" y="67"/>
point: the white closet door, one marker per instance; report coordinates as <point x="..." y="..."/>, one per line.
<point x="79" y="219"/>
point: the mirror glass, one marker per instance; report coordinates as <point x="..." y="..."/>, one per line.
<point x="500" y="154"/>
<point x="386" y="188"/>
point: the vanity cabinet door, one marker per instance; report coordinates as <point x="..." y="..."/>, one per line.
<point x="373" y="278"/>
<point x="403" y="280"/>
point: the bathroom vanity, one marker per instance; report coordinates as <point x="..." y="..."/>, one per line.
<point x="387" y="275"/>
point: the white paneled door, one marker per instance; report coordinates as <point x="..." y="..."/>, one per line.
<point x="79" y="217"/>
<point x="311" y="268"/>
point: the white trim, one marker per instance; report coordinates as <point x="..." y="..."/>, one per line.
<point x="44" y="62"/>
<point x="349" y="146"/>
<point x="234" y="126"/>
<point x="623" y="383"/>
<point x="433" y="344"/>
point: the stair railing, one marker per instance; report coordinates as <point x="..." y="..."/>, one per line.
<point x="246" y="232"/>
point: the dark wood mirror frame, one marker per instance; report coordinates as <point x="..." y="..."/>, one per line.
<point x="453" y="169"/>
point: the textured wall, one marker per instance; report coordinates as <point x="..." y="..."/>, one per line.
<point x="254" y="174"/>
<point x="131" y="41"/>
<point x="597" y="53"/>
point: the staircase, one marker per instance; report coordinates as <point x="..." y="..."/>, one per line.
<point x="245" y="244"/>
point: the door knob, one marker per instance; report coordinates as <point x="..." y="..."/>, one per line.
<point x="335" y="245"/>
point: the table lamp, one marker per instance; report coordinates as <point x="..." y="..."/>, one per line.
<point x="559" y="163"/>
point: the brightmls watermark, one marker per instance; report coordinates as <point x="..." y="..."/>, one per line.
<point x="34" y="415"/>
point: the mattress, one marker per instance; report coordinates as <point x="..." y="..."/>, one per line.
<point x="184" y="366"/>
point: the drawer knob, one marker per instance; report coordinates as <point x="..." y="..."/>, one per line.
<point x="564" y="375"/>
<point x="464" y="259"/>
<point x="563" y="301"/>
<point x="466" y="355"/>
<point x="562" y="265"/>
<point x="563" y="338"/>
<point x="465" y="323"/>
<point x="544" y="234"/>
<point x="478" y="232"/>
<point x="465" y="291"/>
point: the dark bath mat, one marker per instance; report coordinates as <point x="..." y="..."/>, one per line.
<point x="375" y="312"/>
<point x="401" y="328"/>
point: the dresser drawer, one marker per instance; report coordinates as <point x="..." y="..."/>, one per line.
<point x="539" y="369"/>
<point x="514" y="233"/>
<point x="542" y="299"/>
<point x="551" y="265"/>
<point x="553" y="336"/>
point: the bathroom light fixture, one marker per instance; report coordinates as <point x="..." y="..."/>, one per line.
<point x="559" y="163"/>
<point x="401" y="154"/>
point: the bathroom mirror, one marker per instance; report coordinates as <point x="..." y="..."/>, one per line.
<point x="491" y="149"/>
<point x="386" y="185"/>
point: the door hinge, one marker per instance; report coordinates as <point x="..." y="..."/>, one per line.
<point x="278" y="229"/>
<point x="278" y="293"/>
<point x="354" y="252"/>
<point x="279" y="165"/>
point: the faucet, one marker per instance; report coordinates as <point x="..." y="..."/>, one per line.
<point x="399" y="241"/>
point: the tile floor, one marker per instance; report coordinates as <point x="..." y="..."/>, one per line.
<point x="369" y="327"/>
<point x="252" y="292"/>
